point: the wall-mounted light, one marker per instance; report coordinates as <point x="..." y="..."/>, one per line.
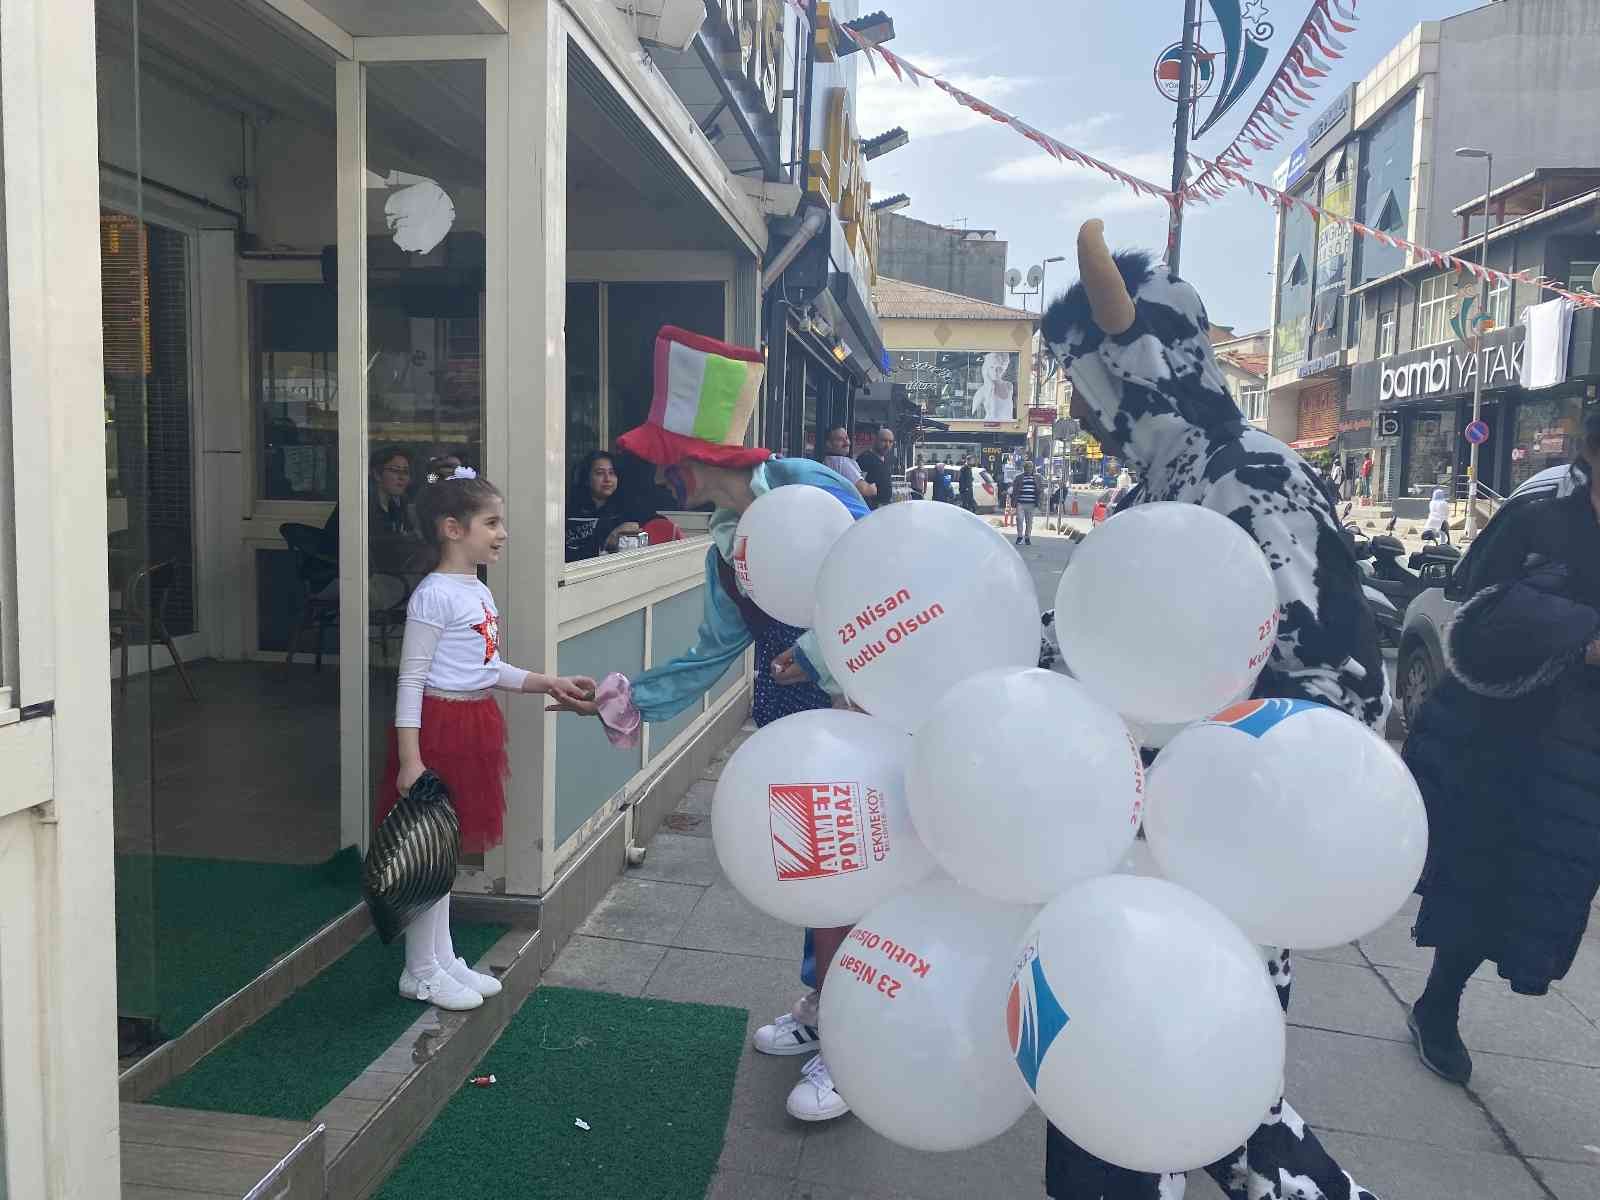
<point x="876" y="28"/>
<point x="893" y="139"/>
<point x="840" y="352"/>
<point x="892" y="203"/>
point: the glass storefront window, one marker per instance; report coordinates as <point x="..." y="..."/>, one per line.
<point x="1546" y="434"/>
<point x="960" y="385"/>
<point x="294" y="332"/>
<point x="1431" y="454"/>
<point x="1385" y="199"/>
<point x="583" y="371"/>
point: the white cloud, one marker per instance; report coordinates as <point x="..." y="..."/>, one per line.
<point x="1035" y="166"/>
<point x="924" y="110"/>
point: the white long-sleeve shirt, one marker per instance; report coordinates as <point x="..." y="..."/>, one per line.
<point x="451" y="644"/>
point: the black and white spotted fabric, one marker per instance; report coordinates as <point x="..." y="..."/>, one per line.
<point x="1157" y="391"/>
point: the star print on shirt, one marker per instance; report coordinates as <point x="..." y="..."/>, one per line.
<point x="490" y="628"/>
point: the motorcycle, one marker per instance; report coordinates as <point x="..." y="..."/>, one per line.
<point x="1390" y="587"/>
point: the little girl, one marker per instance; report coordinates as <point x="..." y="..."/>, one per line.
<point x="446" y="719"/>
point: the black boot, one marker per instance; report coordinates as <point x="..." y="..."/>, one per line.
<point x="1439" y="1043"/>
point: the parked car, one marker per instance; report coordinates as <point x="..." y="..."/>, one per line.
<point x="1421" y="663"/>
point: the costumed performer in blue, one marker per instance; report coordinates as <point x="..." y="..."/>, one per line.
<point x="1134" y="340"/>
<point x="705" y="394"/>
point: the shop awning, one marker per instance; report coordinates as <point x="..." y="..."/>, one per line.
<point x="1311" y="443"/>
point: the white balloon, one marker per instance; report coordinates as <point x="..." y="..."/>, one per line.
<point x="779" y="547"/>
<point x="1022" y="784"/>
<point x="915" y="598"/>
<point x="1146" y="1024"/>
<point x="1140" y="861"/>
<point x="912" y="1018"/>
<point x="1167" y="612"/>
<point x="810" y="821"/>
<point x="1295" y="819"/>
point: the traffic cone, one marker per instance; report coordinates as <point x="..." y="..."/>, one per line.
<point x="1074" y="506"/>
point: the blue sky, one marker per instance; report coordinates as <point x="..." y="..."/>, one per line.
<point x="1081" y="70"/>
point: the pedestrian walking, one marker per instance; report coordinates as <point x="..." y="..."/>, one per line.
<point x="1026" y="491"/>
<point x="713" y="466"/>
<point x="1506" y="751"/>
<point x="1366" y="477"/>
<point x="969" y="500"/>
<point x="1190" y="444"/>
<point x="446" y="719"/>
<point x="943" y="489"/>
<point x="1336" y="477"/>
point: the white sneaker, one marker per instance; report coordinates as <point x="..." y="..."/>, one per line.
<point x="440" y="990"/>
<point x="787" y="1035"/>
<point x="484" y="985"/>
<point x="813" y="1098"/>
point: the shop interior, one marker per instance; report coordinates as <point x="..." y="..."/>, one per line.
<point x="219" y="140"/>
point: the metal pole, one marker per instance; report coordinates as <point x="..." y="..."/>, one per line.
<point x="1180" y="141"/>
<point x="1478" y="374"/>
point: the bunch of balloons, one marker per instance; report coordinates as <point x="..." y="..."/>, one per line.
<point x="977" y="821"/>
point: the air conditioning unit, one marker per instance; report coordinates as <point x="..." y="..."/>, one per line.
<point x="669" y="23"/>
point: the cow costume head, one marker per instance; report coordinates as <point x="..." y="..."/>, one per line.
<point x="1135" y="341"/>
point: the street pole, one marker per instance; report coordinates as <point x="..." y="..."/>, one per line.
<point x="1477" y="378"/>
<point x="1180" y="141"/>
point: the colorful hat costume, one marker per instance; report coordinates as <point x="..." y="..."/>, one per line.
<point x="705" y="395"/>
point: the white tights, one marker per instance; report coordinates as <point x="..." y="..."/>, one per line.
<point x="428" y="945"/>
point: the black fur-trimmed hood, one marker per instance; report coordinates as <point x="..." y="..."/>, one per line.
<point x="1517" y="637"/>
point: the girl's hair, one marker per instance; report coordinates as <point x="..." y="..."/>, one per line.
<point x="462" y="499"/>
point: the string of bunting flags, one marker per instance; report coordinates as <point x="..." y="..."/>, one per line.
<point x="1304" y="66"/>
<point x="1439" y="258"/>
<point x="1309" y="59"/>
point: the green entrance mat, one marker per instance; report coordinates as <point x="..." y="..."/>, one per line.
<point x="653" y="1081"/>
<point x="307" y="1050"/>
<point x="192" y="931"/>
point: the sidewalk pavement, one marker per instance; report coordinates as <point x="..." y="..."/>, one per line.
<point x="1527" y="1129"/>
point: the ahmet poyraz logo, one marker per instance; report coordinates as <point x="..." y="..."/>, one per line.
<point x="1034" y="1017"/>
<point x="1257" y="717"/>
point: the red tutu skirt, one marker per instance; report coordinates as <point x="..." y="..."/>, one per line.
<point x="464" y="743"/>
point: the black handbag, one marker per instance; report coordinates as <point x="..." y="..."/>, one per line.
<point x="411" y="863"/>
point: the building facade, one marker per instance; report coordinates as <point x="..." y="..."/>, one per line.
<point x="963" y="366"/>
<point x="1499" y="77"/>
<point x="968" y="262"/>
<point x="267" y="264"/>
<point x="1414" y="374"/>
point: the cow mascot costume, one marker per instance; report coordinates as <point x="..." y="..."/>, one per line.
<point x="1134" y="340"/>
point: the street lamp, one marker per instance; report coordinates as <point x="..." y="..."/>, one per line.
<point x="1483" y="309"/>
<point x="1038" y="357"/>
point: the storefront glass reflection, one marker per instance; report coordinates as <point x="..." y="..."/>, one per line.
<point x="960" y="385"/>
<point x="1545" y="435"/>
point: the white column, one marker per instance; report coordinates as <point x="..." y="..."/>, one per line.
<point x="534" y="436"/>
<point x="354" y="719"/>
<point x="58" y="1003"/>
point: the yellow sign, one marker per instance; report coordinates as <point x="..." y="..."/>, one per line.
<point x="837" y="177"/>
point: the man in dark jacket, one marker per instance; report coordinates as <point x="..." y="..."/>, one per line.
<point x="969" y="500"/>
<point x="941" y="483"/>
<point x="876" y="469"/>
<point x="1506" y="751"/>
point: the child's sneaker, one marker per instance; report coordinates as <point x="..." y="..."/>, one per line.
<point x="814" y="1098"/>
<point x="440" y="990"/>
<point x="484" y="985"/>
<point x="787" y="1035"/>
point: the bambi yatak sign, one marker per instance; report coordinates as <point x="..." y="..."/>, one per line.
<point x="1439" y="371"/>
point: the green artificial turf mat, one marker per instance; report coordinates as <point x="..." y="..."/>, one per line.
<point x="653" y="1080"/>
<point x="307" y="1050"/>
<point x="192" y="931"/>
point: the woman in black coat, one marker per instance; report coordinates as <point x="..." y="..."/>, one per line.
<point x="1507" y="753"/>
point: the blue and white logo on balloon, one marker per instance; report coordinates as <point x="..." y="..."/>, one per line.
<point x="1257" y="717"/>
<point x="1034" y="1017"/>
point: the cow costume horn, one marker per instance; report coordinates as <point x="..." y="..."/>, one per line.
<point x="1108" y="295"/>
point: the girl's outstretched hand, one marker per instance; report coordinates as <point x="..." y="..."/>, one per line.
<point x="571" y="693"/>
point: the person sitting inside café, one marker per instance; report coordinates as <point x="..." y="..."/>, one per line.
<point x="601" y="511"/>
